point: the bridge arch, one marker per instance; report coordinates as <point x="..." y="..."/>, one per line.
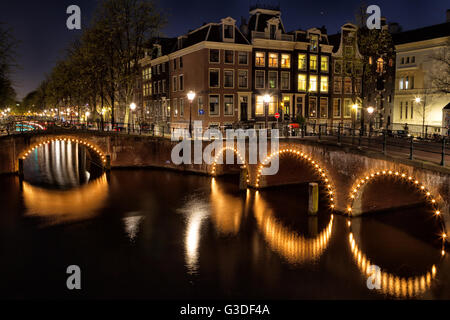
<point x="97" y="151"/>
<point x="217" y="157"/>
<point x="304" y="157"/>
<point x="397" y="176"/>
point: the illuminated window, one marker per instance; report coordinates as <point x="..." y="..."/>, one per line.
<point x="301" y="61"/>
<point x="312" y="107"/>
<point x="380" y="63"/>
<point x="323" y="84"/>
<point x="313" y="62"/>
<point x="313" y="83"/>
<point x="314" y="45"/>
<point x="259" y="107"/>
<point x="273" y="60"/>
<point x="285" y="60"/>
<point x="400" y="84"/>
<point x="407" y="83"/>
<point x="324" y="63"/>
<point x="260" y="59"/>
<point x="302" y="82"/>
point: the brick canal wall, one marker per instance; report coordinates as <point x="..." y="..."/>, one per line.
<point x="343" y="167"/>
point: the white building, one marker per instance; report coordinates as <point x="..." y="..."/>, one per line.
<point x="416" y="102"/>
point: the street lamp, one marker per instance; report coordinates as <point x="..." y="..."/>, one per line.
<point x="190" y="96"/>
<point x="418" y="100"/>
<point x="266" y="99"/>
<point x="132" y="108"/>
<point x="370" y="111"/>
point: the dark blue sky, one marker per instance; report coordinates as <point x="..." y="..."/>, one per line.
<point x="40" y="25"/>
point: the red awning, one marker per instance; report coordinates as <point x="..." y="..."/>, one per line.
<point x="294" y="125"/>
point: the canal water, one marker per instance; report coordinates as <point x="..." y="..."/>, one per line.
<point x="168" y="235"/>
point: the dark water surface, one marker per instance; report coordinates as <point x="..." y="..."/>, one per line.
<point x="161" y="234"/>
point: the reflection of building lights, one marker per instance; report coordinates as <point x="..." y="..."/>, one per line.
<point x="226" y="210"/>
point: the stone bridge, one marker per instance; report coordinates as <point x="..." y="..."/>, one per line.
<point x="354" y="181"/>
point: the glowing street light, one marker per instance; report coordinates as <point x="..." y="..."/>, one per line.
<point x="191" y="96"/>
<point x="266" y="98"/>
<point x="370" y="110"/>
<point x="355" y="107"/>
<point x="133" y="106"/>
<point x="418" y="100"/>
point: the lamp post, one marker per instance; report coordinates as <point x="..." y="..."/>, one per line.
<point x="190" y="96"/>
<point x="266" y="100"/>
<point x="355" y="109"/>
<point x="132" y="108"/>
<point x="370" y="111"/>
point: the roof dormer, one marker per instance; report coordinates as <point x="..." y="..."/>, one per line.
<point x="228" y="29"/>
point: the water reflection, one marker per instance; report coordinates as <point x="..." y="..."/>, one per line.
<point x="59" y="206"/>
<point x="61" y="164"/>
<point x="389" y="283"/>
<point x="295" y="248"/>
<point x="132" y="223"/>
<point x="226" y="210"/>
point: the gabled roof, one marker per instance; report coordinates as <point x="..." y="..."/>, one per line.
<point x="421" y="34"/>
<point x="258" y="22"/>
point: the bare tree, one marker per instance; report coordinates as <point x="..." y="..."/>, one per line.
<point x="440" y="76"/>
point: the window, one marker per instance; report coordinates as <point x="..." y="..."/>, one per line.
<point x="174" y="84"/>
<point x="338" y="67"/>
<point x="243" y="78"/>
<point x="214" y="78"/>
<point x="229" y="56"/>
<point x="337" y="108"/>
<point x="158" y="68"/>
<point x="285" y="80"/>
<point x="412" y="111"/>
<point x="348" y="85"/>
<point x="324" y="107"/>
<point x="214" y="56"/>
<point x="406" y="110"/>
<point x="228" y="104"/>
<point x="380" y="65"/>
<point x="181" y="62"/>
<point x="273" y="79"/>
<point x="324" y="63"/>
<point x="358" y="69"/>
<point x="312" y="107"/>
<point x="181" y="107"/>
<point x="337" y="85"/>
<point x="259" y="79"/>
<point x="163" y="67"/>
<point x="200" y="105"/>
<point x="407" y="60"/>
<point x="273" y="60"/>
<point x="401" y="110"/>
<point x="312" y="83"/>
<point x="301" y="61"/>
<point x="403" y="61"/>
<point x="407" y="83"/>
<point x="412" y="82"/>
<point x="347" y="108"/>
<point x="302" y="82"/>
<point x="228" y="79"/>
<point x="164" y="86"/>
<point x="214" y="104"/>
<point x="358" y="86"/>
<point x="348" y="51"/>
<point x="400" y="84"/>
<point x="228" y="31"/>
<point x="413" y="59"/>
<point x="243" y="58"/>
<point x="313" y="62"/>
<point x="299" y="107"/>
<point x="349" y="67"/>
<point x="181" y="83"/>
<point x="314" y="43"/>
<point x="174" y="64"/>
<point x="175" y="107"/>
<point x="259" y="59"/>
<point x="323" y="84"/>
<point x="285" y="60"/>
<point x="259" y="107"/>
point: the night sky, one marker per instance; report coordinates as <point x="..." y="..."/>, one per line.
<point x="40" y="25"/>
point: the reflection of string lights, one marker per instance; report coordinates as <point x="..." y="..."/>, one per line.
<point x="389" y="283"/>
<point x="82" y="142"/>
<point x="301" y="156"/>
<point x="58" y="206"/>
<point x="403" y="178"/>
<point x="292" y="246"/>
<point x="217" y="157"/>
